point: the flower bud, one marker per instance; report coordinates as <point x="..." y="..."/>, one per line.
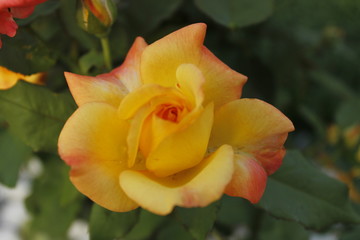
<point x="96" y="16"/>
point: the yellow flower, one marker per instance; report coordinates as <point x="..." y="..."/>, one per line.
<point x="167" y="128"/>
<point x="9" y="78"/>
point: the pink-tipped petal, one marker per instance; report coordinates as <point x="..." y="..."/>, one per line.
<point x="248" y="180"/>
<point x="196" y="187"/>
<point x="109" y="87"/>
<point x="222" y="84"/>
<point x="86" y="89"/>
<point x="93" y="144"/>
<point x="255" y="127"/>
<point x="129" y="72"/>
<point x="161" y="59"/>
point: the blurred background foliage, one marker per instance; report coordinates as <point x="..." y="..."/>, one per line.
<point x="302" y="56"/>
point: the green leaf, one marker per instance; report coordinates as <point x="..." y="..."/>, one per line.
<point x="333" y="84"/>
<point x="13" y="153"/>
<point x="234" y="211"/>
<point x="144" y="16"/>
<point x="51" y="215"/>
<point x="236" y="13"/>
<point x="353" y="234"/>
<point x="348" y="114"/>
<point x="146" y="226"/>
<point x="197" y="221"/>
<point x="46" y="27"/>
<point x="314" y="120"/>
<point x="119" y="42"/>
<point x="173" y="231"/>
<point x="26" y="53"/>
<point x="105" y="224"/>
<point x="91" y="59"/>
<point x="275" y="229"/>
<point x="35" y="114"/>
<point x="300" y="192"/>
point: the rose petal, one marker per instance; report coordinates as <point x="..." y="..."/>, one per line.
<point x="253" y="126"/>
<point x="86" y="89"/>
<point x="222" y="84"/>
<point x="156" y="129"/>
<point x="183" y="149"/>
<point x="110" y="87"/>
<point x="190" y="82"/>
<point x="129" y="72"/>
<point x="8" y="26"/>
<point x="196" y="187"/>
<point x="161" y="59"/>
<point x="248" y="180"/>
<point x="93" y="144"/>
<point x="139" y="105"/>
<point x="9" y="78"/>
<point x="143" y="95"/>
<point x="134" y="135"/>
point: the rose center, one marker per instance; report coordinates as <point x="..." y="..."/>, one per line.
<point x="169" y="112"/>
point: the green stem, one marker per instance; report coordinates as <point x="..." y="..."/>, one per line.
<point x="106" y="52"/>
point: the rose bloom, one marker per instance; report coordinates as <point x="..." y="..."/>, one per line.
<point x="167" y="128"/>
<point x="16" y="9"/>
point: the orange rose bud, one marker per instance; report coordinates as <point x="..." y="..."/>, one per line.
<point x="96" y="16"/>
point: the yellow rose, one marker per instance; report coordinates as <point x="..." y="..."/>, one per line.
<point x="167" y="128"/>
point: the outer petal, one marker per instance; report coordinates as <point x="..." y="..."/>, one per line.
<point x="161" y="59"/>
<point x="110" y="87"/>
<point x="183" y="149"/>
<point x="19" y="3"/>
<point x="129" y="72"/>
<point x="8" y="25"/>
<point x="196" y="187"/>
<point x="86" y="89"/>
<point x="248" y="180"/>
<point x="93" y="143"/>
<point x="222" y="84"/>
<point x="255" y="127"/>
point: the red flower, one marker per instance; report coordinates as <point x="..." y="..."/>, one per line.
<point x="16" y="9"/>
